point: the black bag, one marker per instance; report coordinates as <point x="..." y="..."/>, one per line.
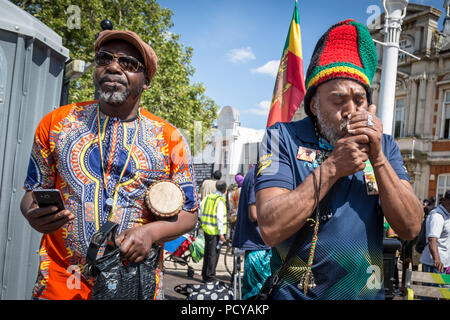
<point x="113" y="280"/>
<point x="421" y="241"/>
<point x="265" y="293"/>
<point x="217" y="290"/>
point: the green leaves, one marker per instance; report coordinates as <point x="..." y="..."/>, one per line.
<point x="171" y="95"/>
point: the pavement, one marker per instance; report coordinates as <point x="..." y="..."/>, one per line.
<point x="176" y="273"/>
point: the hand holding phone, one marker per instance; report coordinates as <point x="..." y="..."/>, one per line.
<point x="47" y="214"/>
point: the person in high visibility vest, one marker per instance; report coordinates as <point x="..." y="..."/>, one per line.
<point x="214" y="225"/>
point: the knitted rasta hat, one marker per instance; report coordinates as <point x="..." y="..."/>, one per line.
<point x="345" y="51"/>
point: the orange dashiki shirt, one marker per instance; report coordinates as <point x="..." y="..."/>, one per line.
<point x="66" y="156"/>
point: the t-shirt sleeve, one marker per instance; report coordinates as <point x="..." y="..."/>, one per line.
<point x="435" y="224"/>
<point x="181" y="169"/>
<point x="221" y="216"/>
<point x="395" y="158"/>
<point x="41" y="167"/>
<point x="274" y="168"/>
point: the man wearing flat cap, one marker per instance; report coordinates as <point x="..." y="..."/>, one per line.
<point x="102" y="156"/>
<point x="337" y="155"/>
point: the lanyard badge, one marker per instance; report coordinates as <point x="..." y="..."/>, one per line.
<point x="370" y="181"/>
<point x="307" y="154"/>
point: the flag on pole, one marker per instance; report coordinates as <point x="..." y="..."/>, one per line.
<point x="290" y="83"/>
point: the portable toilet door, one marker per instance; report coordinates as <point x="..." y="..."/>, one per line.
<point x="32" y="61"/>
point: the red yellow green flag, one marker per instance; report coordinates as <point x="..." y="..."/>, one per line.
<point x="290" y="83"/>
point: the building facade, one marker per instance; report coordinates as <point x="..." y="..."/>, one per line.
<point x="231" y="148"/>
<point x="422" y="100"/>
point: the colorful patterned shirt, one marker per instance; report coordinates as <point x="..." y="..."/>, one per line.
<point x="66" y="156"/>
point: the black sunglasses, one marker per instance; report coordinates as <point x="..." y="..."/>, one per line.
<point x="127" y="63"/>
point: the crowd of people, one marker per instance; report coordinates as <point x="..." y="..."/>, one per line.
<point x="309" y="215"/>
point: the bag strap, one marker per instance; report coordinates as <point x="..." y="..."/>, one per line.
<point x="107" y="229"/>
<point x="295" y="246"/>
<point x="301" y="234"/>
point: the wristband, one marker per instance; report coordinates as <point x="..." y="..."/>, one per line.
<point x="379" y="164"/>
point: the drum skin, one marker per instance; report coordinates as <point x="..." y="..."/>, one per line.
<point x="164" y="199"/>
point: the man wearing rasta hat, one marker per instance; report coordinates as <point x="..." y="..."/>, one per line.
<point x="102" y="156"/>
<point x="340" y="155"/>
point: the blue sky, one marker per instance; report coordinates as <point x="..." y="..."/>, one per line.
<point x="237" y="43"/>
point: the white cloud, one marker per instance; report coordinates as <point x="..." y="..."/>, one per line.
<point x="262" y="108"/>
<point x="241" y="55"/>
<point x="270" y="68"/>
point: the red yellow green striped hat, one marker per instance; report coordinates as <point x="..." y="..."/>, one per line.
<point x="345" y="51"/>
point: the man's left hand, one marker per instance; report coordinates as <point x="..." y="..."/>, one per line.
<point x="135" y="244"/>
<point x="366" y="122"/>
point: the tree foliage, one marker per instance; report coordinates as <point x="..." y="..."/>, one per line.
<point x="171" y="96"/>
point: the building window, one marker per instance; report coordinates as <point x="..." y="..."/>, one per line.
<point x="406" y="45"/>
<point x="399" y="121"/>
<point x="445" y="132"/>
<point x="225" y="158"/>
<point x="443" y="185"/>
<point x="249" y="156"/>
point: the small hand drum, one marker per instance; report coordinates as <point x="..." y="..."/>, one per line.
<point x="164" y="199"/>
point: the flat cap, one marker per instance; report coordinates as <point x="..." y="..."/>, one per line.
<point x="147" y="53"/>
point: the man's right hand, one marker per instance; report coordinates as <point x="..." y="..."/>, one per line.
<point x="349" y="155"/>
<point x="47" y="220"/>
<point x="439" y="266"/>
<point x="433" y="246"/>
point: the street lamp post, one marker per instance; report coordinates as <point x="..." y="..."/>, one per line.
<point x="395" y="11"/>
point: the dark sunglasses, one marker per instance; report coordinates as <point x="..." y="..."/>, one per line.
<point x="127" y="63"/>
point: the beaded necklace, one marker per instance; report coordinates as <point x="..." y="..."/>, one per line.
<point x="307" y="281"/>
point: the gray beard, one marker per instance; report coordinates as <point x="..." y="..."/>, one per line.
<point x="113" y="98"/>
<point x="327" y="130"/>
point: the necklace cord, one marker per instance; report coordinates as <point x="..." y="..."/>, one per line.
<point x="100" y="145"/>
<point x="317" y="216"/>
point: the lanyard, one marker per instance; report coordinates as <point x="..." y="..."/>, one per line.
<point x="112" y="201"/>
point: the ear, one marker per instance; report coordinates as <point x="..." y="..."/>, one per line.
<point x="312" y="105"/>
<point x="146" y="83"/>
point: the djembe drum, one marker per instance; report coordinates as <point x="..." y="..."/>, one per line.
<point x="164" y="199"/>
